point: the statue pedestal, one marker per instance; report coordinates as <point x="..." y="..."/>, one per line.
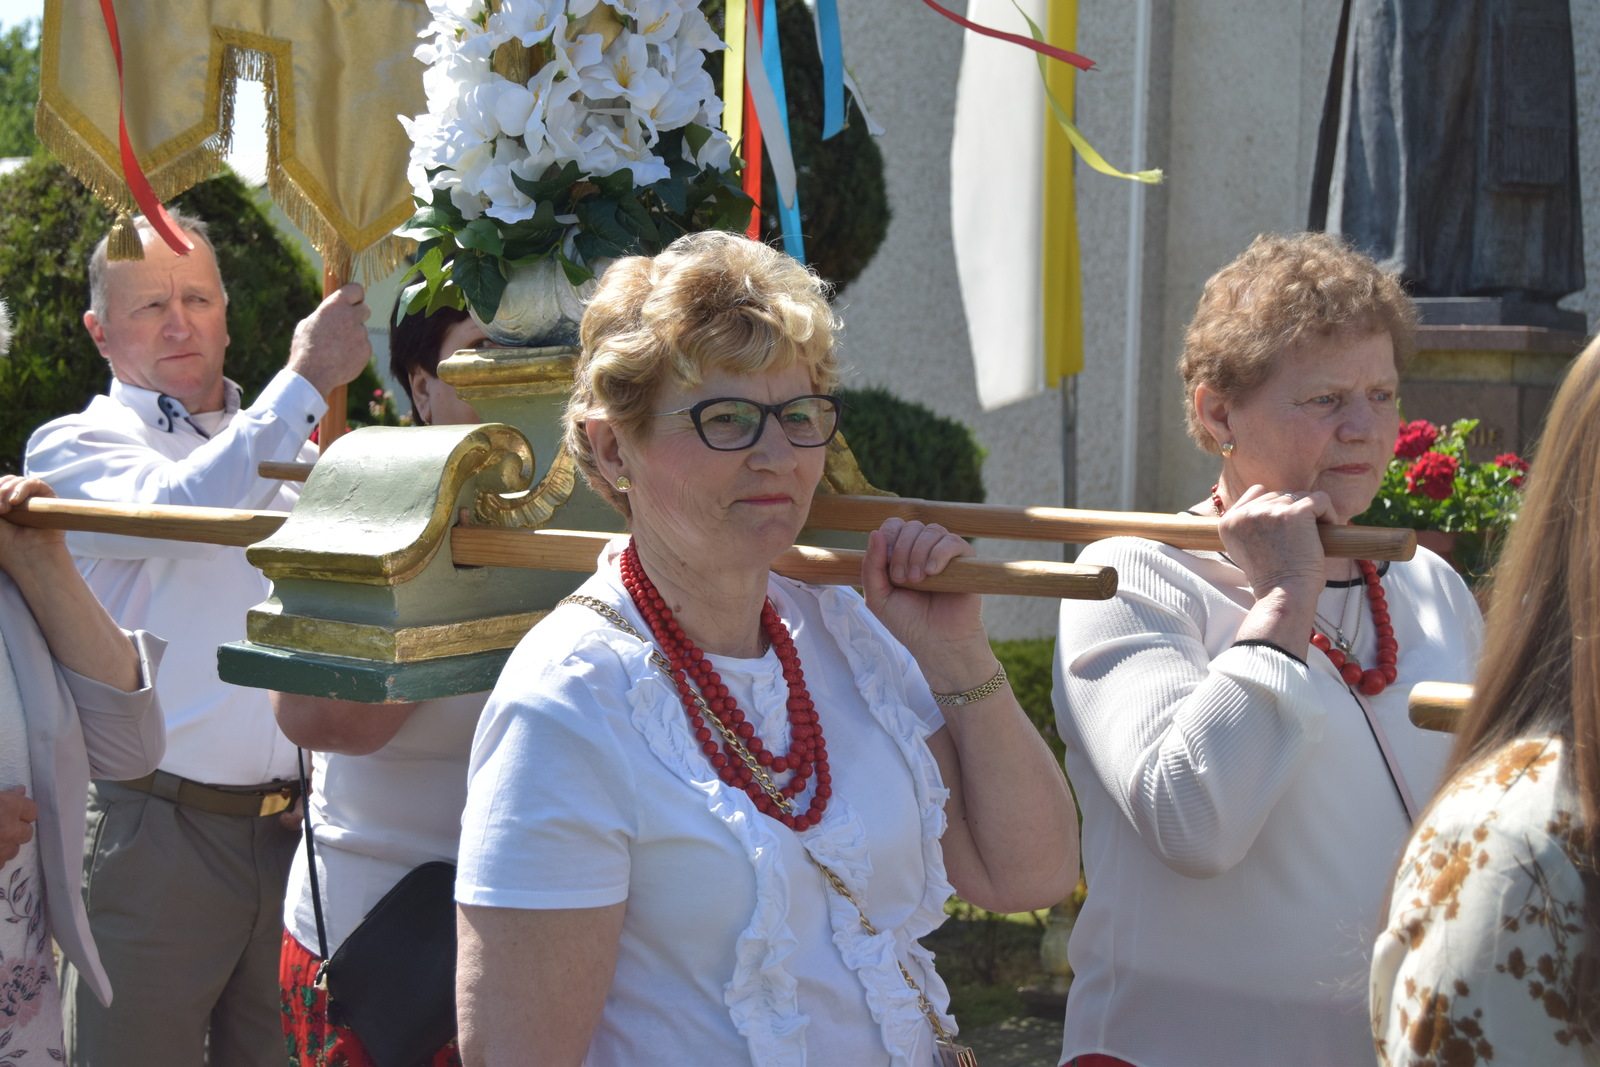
<point x="1503" y="375"/>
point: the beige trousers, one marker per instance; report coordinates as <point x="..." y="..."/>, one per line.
<point x="186" y="908"/>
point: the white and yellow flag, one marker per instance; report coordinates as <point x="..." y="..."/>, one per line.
<point x="1012" y="208"/>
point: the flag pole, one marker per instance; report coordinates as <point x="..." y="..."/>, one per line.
<point x="333" y="420"/>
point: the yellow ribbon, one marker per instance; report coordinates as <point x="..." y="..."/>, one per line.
<point x="733" y="76"/>
<point x="1064" y="120"/>
<point x="1061" y="274"/>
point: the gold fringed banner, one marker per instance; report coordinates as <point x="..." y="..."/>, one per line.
<point x="336" y="77"/>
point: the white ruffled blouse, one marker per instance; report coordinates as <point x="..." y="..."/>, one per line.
<point x="588" y="789"/>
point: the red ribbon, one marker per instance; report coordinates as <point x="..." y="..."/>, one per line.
<point x="752" y="132"/>
<point x="132" y="173"/>
<point x="1081" y="62"/>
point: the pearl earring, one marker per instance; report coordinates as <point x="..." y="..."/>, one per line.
<point x="1227" y="450"/>
<point x="623" y="484"/>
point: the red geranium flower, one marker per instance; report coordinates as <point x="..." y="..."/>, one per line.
<point x="1415" y="438"/>
<point x="1514" y="462"/>
<point x="1433" y="474"/>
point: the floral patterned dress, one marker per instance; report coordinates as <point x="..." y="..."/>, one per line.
<point x="1486" y="923"/>
<point x="30" y="998"/>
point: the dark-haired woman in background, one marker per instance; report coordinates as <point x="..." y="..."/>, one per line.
<point x="416" y="346"/>
<point x="389" y="780"/>
<point x="1492" y="945"/>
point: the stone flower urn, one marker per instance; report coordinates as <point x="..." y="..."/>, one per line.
<point x="540" y="308"/>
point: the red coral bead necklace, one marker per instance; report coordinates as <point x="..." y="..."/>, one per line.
<point x="743" y="759"/>
<point x="1373" y="680"/>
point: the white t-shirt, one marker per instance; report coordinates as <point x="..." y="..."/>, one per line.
<point x="377" y="816"/>
<point x="1239" y="821"/>
<point x="587" y="789"/>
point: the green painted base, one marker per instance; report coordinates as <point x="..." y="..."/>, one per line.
<point x="368" y="681"/>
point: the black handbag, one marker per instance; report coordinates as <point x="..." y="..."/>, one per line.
<point x="392" y="981"/>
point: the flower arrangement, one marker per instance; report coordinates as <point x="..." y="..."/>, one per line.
<point x="1430" y="484"/>
<point x="572" y="130"/>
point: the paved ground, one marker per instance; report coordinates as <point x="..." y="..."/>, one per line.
<point x="1024" y="1041"/>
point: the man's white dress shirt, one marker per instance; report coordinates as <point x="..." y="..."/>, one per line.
<point x="142" y="447"/>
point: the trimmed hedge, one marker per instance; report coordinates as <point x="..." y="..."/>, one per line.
<point x="905" y="448"/>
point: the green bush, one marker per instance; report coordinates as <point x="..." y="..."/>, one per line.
<point x="905" y="448"/>
<point x="19" y="88"/>
<point x="49" y="223"/>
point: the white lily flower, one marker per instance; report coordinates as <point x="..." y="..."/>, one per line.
<point x="695" y="32"/>
<point x="553" y="111"/>
<point x="448" y="81"/>
<point x="529" y="21"/>
<point x="672" y="111"/>
<point x="574" y="56"/>
<point x="512" y="109"/>
<point x="715" y="154"/>
<point x="656" y="20"/>
<point x="456" y="14"/>
<point x="469" y="204"/>
<point x="633" y="144"/>
<point x="625" y="71"/>
<point x="603" y="109"/>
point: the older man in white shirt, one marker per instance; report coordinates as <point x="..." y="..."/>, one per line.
<point x="185" y="868"/>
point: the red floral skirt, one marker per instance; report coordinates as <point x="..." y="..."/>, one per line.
<point x="311" y="1039"/>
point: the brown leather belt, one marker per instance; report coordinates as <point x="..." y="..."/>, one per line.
<point x="254" y="800"/>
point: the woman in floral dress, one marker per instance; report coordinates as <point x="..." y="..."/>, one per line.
<point x="1491" y="951"/>
<point x="76" y="698"/>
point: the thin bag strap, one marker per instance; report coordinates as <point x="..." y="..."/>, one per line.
<point x="1395" y="774"/>
<point x="311" y="860"/>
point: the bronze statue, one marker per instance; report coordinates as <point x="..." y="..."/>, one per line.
<point x="1449" y="148"/>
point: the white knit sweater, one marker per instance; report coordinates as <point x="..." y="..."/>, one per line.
<point x="1239" y="821"/>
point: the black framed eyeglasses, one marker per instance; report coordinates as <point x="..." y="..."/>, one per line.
<point x="732" y="423"/>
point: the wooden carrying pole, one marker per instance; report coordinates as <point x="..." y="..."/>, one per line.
<point x="1012" y="523"/>
<point x="565" y="550"/>
<point x="1439" y="705"/>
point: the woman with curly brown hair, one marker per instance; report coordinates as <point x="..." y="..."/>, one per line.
<point x="1491" y="949"/>
<point x="1236" y="721"/>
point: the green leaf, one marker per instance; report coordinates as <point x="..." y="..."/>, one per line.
<point x="412" y="297"/>
<point x="599" y="218"/>
<point x="548" y="186"/>
<point x="615" y="185"/>
<point x="482" y="234"/>
<point x="643" y="225"/>
<point x="696" y="136"/>
<point x="431" y="221"/>
<point x="592" y="249"/>
<point x="534" y="236"/>
<point x="673" y="194"/>
<point x="576" y="275"/>
<point x="481" y="282"/>
<point x="447" y="296"/>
